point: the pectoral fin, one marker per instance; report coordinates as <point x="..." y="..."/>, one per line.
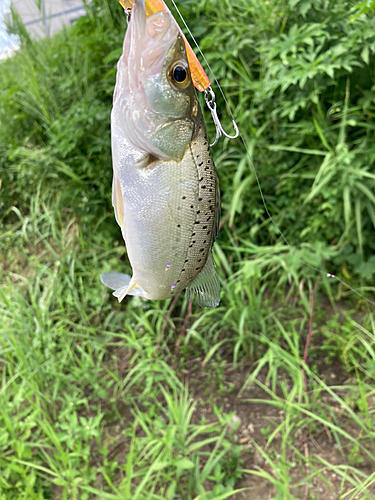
<point x="123" y="285"/>
<point x="206" y="286"/>
<point x="118" y="202"/>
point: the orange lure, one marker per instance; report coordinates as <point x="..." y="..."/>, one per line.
<point x="198" y="75"/>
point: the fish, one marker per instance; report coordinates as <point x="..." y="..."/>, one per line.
<point x="165" y="189"/>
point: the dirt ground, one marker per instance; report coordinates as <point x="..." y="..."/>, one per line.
<point x="253" y="417"/>
<point x="249" y="422"/>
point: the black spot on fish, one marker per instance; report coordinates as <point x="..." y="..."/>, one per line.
<point x="197" y="222"/>
<point x="191" y="206"/>
<point x="198" y="212"/>
<point x="184" y="197"/>
<point x="200" y="199"/>
<point x="199" y="260"/>
<point x="201" y="179"/>
<point x="203" y="187"/>
<point x="205" y="144"/>
<point x="201" y="250"/>
<point x="193" y="234"/>
<point x="205" y="241"/>
<point x="187" y="260"/>
<point x="178" y="225"/>
<point x="204" y="227"/>
<point x="201" y="164"/>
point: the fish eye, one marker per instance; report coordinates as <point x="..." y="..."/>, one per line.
<point x="179" y="74"/>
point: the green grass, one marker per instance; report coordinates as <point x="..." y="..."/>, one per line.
<point x="95" y="399"/>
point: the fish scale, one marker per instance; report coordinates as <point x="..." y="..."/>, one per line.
<point x="207" y="210"/>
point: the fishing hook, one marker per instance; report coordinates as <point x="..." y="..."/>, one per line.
<point x="210" y="98"/>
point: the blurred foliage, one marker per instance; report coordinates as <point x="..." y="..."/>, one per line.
<point x="55" y="102"/>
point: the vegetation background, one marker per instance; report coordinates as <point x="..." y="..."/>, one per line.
<point x="96" y="401"/>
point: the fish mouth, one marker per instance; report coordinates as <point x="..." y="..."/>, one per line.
<point x="150" y="38"/>
<point x="142" y="98"/>
<point x="157" y="25"/>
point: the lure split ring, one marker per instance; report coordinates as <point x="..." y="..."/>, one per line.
<point x="128" y="12"/>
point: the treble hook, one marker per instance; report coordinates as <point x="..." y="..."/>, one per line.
<point x="210" y="98"/>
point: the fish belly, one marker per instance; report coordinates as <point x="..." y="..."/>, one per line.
<point x="159" y="207"/>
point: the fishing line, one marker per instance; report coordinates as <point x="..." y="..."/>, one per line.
<point x="316" y="269"/>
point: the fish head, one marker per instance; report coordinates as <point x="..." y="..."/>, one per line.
<point x="154" y="101"/>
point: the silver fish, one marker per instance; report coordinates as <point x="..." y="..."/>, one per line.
<point x="165" y="189"/>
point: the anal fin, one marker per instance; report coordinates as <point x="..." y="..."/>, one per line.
<point x="123" y="285"/>
<point x="206" y="286"/>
